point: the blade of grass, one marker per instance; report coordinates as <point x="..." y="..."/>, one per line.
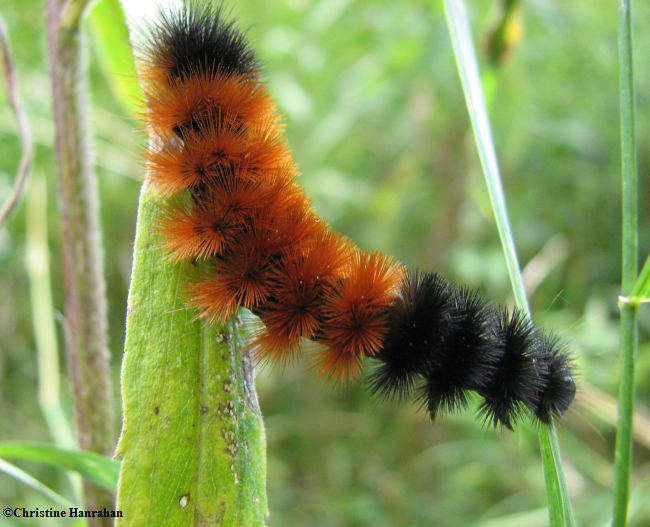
<point x="629" y="327"/>
<point x="37" y="262"/>
<point x="470" y="79"/>
<point x="560" y="510"/>
<point x="95" y="467"/>
<point x="641" y="289"/>
<point x="22" y="476"/>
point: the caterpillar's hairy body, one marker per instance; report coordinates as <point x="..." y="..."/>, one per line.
<point x="232" y="201"/>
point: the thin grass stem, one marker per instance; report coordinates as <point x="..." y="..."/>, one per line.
<point x="629" y="255"/>
<point x="8" y="209"/>
<point x="560" y="510"/>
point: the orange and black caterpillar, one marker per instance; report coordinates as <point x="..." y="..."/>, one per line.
<point x="218" y="157"/>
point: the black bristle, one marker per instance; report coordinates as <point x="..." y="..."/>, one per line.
<point x="466" y="359"/>
<point x="470" y="344"/>
<point x="515" y="381"/>
<point x="419" y="321"/>
<point x="198" y="39"/>
<point x="440" y="393"/>
<point x="557" y="379"/>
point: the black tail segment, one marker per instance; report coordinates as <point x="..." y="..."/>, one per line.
<point x="557" y="379"/>
<point x="515" y="381"/>
<point x="419" y="322"/>
<point x="448" y="340"/>
<point x="466" y="359"/>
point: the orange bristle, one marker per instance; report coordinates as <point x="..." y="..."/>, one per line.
<point x="278" y="193"/>
<point x="268" y="345"/>
<point x="201" y="99"/>
<point x="204" y="152"/>
<point x="240" y="278"/>
<point x="295" y="226"/>
<point x="215" y="298"/>
<point x="355" y="311"/>
<point x="298" y="286"/>
<point x="195" y="231"/>
<point x="238" y="197"/>
<point x="338" y="366"/>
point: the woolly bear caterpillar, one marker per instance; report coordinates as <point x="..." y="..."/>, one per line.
<point x="233" y="202"/>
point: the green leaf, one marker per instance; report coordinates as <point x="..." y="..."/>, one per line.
<point x="95" y="467"/>
<point x="641" y="288"/>
<point x="30" y="481"/>
<point x="192" y="441"/>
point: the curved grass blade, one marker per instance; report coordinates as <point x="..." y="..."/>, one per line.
<point x="22" y="476"/>
<point x="93" y="466"/>
<point x="560" y="510"/>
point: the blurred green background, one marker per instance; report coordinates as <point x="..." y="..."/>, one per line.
<point x="377" y="122"/>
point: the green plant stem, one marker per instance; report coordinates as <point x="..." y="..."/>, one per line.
<point x="8" y="208"/>
<point x="560" y="510"/>
<point x="37" y="263"/>
<point x="85" y="313"/>
<point x="624" y="439"/>
<point x="629" y="327"/>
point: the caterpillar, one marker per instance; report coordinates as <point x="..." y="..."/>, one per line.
<point x="232" y="203"/>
